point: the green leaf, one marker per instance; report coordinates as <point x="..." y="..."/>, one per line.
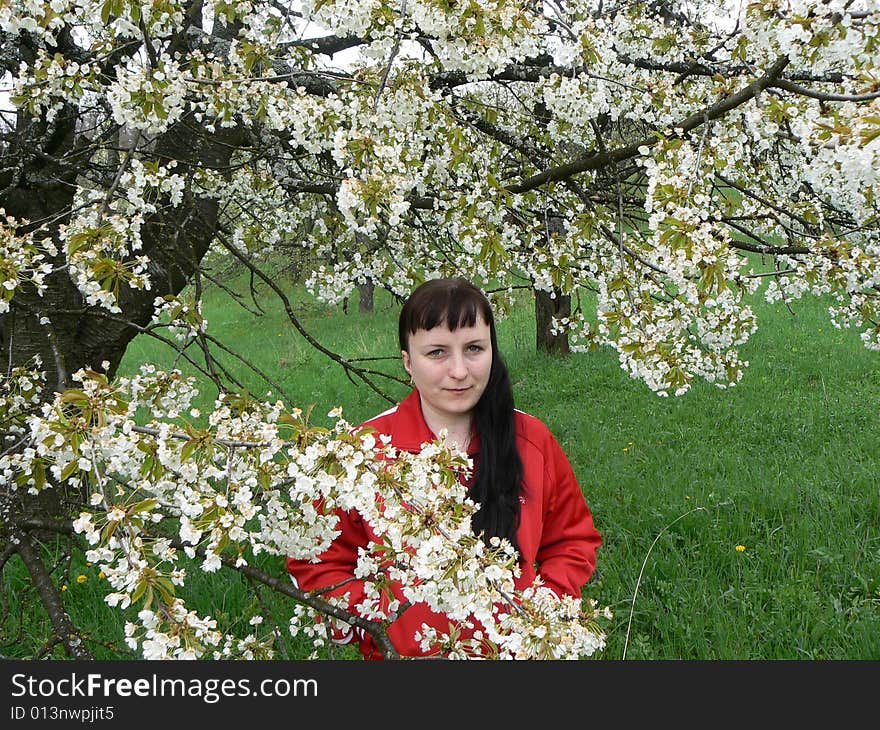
<point x="72" y="395"/>
<point x="869" y="135"/>
<point x="69" y="470"/>
<point x="165" y="588"/>
<point x="139" y="591"/>
<point x="188" y="449"/>
<point x="38" y="471"/>
<point x="143" y="506"/>
<point x="108" y="531"/>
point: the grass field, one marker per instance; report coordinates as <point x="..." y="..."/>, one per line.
<point x="737" y="524"/>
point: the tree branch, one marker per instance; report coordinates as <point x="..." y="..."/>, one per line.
<point x="310" y="598"/>
<point x="600" y="160"/>
<point x="62" y="626"/>
<point x="821" y="95"/>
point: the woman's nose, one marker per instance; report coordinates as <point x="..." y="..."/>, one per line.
<point x="457" y="367"/>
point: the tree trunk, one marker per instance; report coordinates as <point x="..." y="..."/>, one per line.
<point x="546" y="308"/>
<point x="77" y="335"/>
<point x="365" y="301"/>
<point x="175" y="239"/>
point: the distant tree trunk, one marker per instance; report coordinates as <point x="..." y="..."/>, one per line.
<point x="545" y="310"/>
<point x="365" y="302"/>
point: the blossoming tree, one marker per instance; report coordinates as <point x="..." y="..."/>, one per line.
<point x="649" y="163"/>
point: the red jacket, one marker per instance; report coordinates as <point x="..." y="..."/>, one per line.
<point x="555" y="531"/>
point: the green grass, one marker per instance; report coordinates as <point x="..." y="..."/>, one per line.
<point x="784" y="464"/>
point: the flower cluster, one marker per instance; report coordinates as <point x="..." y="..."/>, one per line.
<point x="423" y="147"/>
<point x="148" y="99"/>
<point x="22" y="260"/>
<point x="256" y="480"/>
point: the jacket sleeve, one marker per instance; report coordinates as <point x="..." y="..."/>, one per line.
<point x="335" y="565"/>
<point x="567" y="554"/>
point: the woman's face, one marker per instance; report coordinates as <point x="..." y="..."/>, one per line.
<point x="450" y="368"/>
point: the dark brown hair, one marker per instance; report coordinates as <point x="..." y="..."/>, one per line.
<point x="498" y="469"/>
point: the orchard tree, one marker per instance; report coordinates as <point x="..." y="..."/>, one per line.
<point x="643" y="167"/>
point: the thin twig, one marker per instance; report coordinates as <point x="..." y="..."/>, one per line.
<point x="641" y="572"/>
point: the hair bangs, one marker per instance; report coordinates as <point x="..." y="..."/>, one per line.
<point x="453" y="302"/>
<point x="456" y="311"/>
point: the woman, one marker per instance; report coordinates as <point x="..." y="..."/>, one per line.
<point x="521" y="478"/>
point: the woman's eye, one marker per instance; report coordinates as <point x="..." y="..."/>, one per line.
<point x="475" y="348"/>
<point x="435" y="353"/>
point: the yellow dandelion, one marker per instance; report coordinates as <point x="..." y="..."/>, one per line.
<point x="63" y="588"/>
<point x="740" y="548"/>
<point x="102" y="574"/>
<point x="81" y="578"/>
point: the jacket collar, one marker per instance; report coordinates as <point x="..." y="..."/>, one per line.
<point x="410" y="431"/>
